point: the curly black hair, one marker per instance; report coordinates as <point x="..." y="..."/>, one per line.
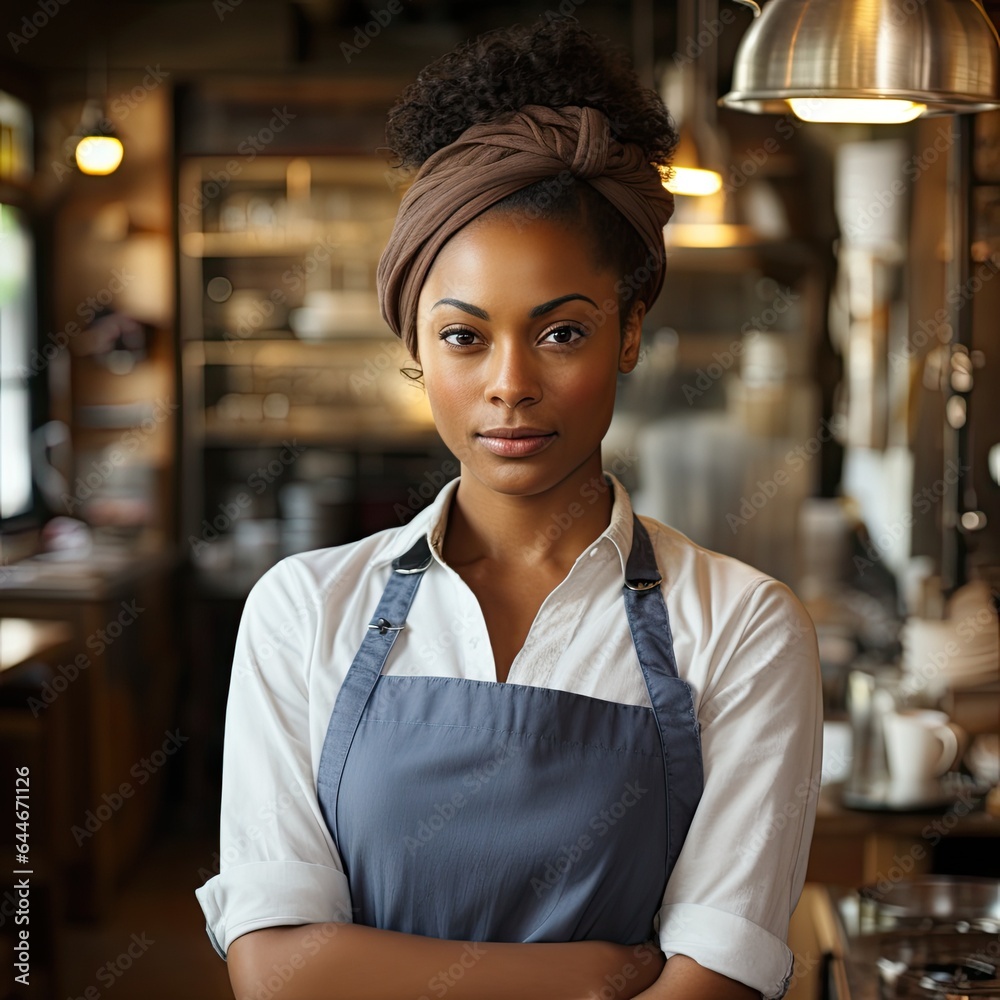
<point x="554" y="62"/>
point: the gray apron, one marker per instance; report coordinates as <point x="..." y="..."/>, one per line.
<point x="489" y="811"/>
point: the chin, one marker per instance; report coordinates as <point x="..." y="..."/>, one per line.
<point x="517" y="481"/>
<point x="523" y="477"/>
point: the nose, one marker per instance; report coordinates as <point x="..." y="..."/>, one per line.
<point x="511" y="375"/>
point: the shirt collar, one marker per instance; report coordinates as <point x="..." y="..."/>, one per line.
<point x="433" y="519"/>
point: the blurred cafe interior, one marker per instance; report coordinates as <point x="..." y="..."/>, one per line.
<point x="195" y="381"/>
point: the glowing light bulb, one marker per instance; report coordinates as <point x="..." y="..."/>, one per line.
<point x="863" y="110"/>
<point x="693" y="182"/>
<point x="99" y="154"/>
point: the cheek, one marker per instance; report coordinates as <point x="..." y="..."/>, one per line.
<point x="587" y="390"/>
<point x="449" y="393"/>
<point x="593" y="388"/>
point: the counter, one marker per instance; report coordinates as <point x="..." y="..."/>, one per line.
<point x="858" y="847"/>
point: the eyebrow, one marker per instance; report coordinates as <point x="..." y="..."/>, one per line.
<point x="537" y="311"/>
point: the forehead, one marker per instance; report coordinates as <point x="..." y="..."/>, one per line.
<point x="512" y="255"/>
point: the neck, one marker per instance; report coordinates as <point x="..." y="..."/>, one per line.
<point x="545" y="530"/>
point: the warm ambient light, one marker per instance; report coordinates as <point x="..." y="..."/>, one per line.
<point x="693" y="182"/>
<point x="864" y="111"/>
<point x="708" y="234"/>
<point x="99" y="154"/>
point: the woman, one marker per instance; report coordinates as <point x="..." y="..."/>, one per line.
<point x="528" y="744"/>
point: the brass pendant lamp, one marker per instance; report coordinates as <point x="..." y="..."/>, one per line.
<point x="878" y="61"/>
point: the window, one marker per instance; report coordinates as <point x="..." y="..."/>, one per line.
<point x="17" y="335"/>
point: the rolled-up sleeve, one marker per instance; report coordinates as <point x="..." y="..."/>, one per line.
<point x="278" y="864"/>
<point x="740" y="872"/>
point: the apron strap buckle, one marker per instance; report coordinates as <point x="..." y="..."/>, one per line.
<point x="384" y="625"/>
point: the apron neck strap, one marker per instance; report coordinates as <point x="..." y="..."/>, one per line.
<point x="641" y="572"/>
<point x="415" y="559"/>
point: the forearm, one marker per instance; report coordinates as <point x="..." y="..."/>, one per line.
<point x="683" y="978"/>
<point x="354" y="962"/>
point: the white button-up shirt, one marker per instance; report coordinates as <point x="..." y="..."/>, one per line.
<point x="742" y="640"/>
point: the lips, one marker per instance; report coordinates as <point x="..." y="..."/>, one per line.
<point x="516" y="442"/>
<point x="515" y="432"/>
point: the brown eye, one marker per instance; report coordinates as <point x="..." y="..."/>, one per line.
<point x="565" y="334"/>
<point x="464" y="337"/>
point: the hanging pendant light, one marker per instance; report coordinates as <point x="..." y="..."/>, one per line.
<point x="881" y="61"/>
<point x="694" y="171"/>
<point x="99" y="151"/>
<point x="689" y="91"/>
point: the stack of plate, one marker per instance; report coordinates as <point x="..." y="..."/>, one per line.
<point x="962" y="650"/>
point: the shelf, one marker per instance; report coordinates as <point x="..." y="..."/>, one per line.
<point x="339" y="427"/>
<point x="351" y="238"/>
<point x="736" y="257"/>
<point x="340" y="168"/>
<point x="115" y="416"/>
<point x="272" y="389"/>
<point x="290" y="351"/>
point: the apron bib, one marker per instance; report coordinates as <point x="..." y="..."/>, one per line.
<point x="489" y="811"/>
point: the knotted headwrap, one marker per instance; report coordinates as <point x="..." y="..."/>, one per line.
<point x="489" y="161"/>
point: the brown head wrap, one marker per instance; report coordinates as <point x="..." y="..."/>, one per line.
<point x="489" y="161"/>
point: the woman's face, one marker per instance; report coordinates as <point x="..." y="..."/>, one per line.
<point x="519" y="338"/>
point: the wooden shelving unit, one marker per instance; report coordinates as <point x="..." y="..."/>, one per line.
<point x="260" y="243"/>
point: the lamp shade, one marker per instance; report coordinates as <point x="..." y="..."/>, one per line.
<point x="942" y="54"/>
